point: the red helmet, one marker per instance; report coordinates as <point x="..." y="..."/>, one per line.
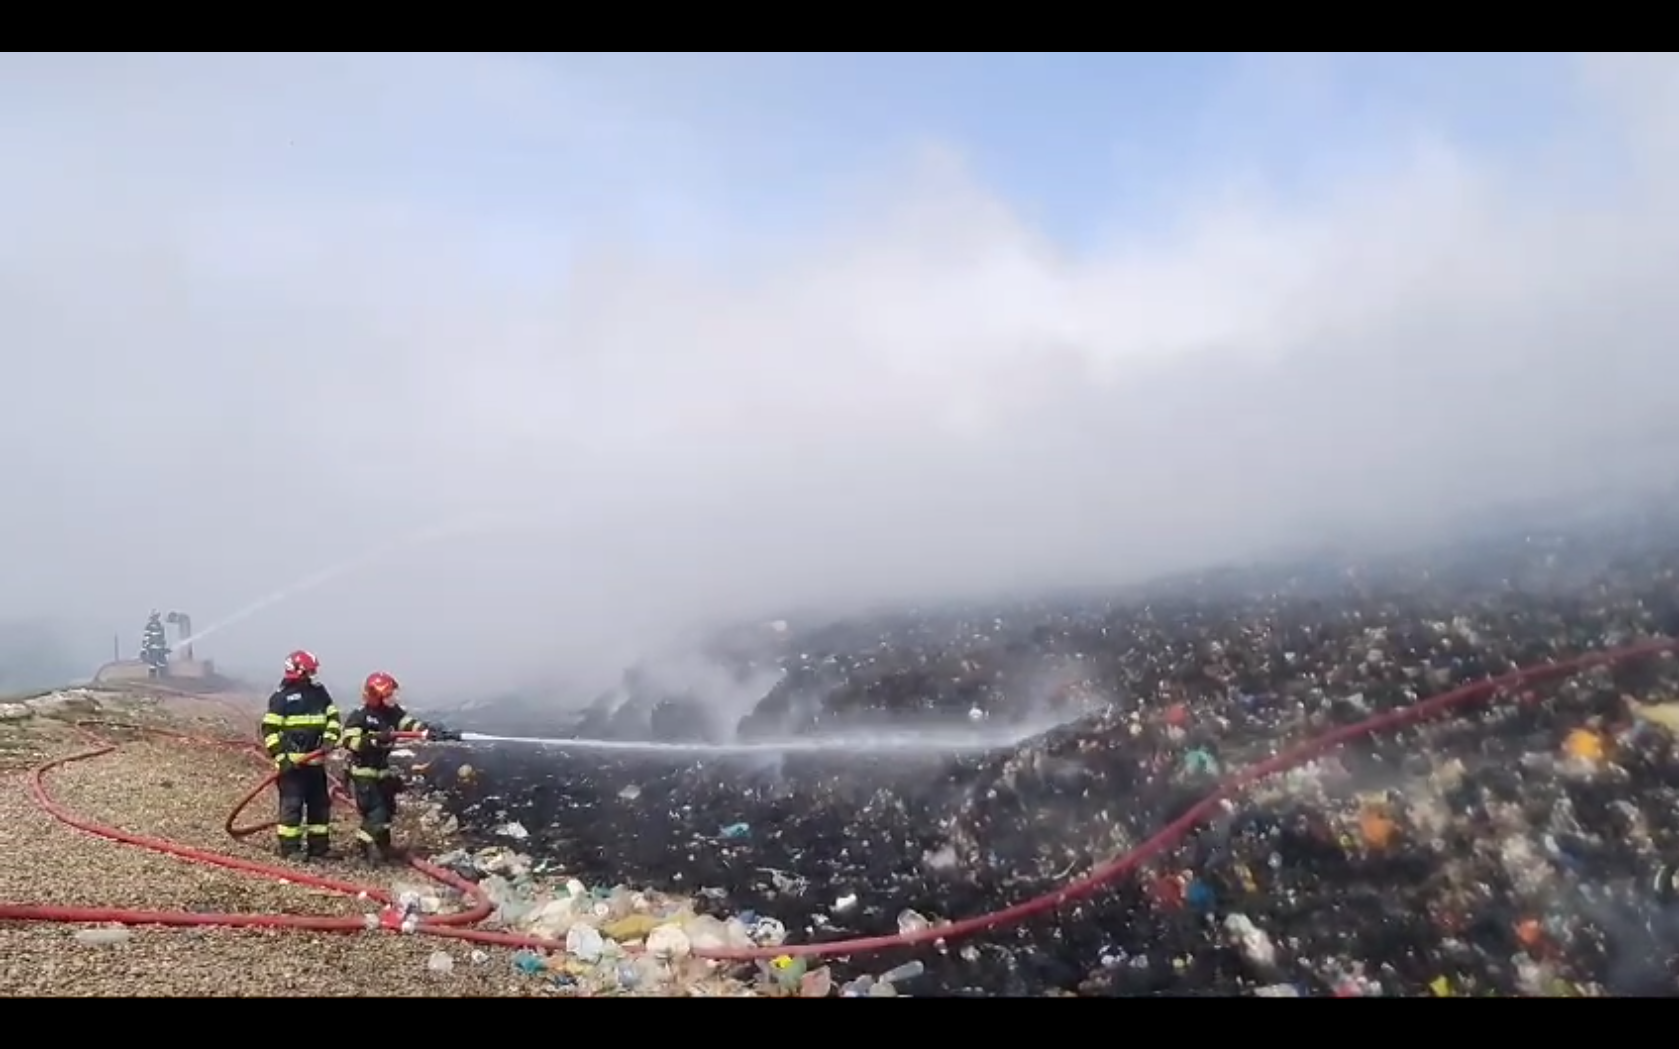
<point x="301" y="666"/>
<point x="379" y="689"/>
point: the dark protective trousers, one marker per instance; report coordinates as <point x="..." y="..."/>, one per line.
<point x="305" y="811"/>
<point x="376" y="804"/>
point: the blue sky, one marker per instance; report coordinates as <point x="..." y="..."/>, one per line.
<point x="1068" y="135"/>
<point x="707" y="147"/>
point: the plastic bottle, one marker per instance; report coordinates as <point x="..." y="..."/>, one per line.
<point x="440" y="964"/>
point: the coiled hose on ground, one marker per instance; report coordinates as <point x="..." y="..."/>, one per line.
<point x="459" y="926"/>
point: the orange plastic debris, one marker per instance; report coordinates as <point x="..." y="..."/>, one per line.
<point x="1585" y="745"/>
<point x="1378" y="830"/>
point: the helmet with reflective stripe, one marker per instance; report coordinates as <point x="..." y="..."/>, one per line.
<point x="379" y="689"/>
<point x="301" y="666"/>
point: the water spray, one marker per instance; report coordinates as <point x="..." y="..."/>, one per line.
<point x="423" y="537"/>
<point x="894" y="743"/>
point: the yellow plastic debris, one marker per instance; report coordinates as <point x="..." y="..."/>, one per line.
<point x="1245" y="876"/>
<point x="1664" y="714"/>
<point x="634" y="927"/>
<point x="1585" y="745"/>
<point x="1441" y="987"/>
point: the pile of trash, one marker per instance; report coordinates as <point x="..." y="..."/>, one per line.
<point x="619" y="941"/>
<point x="1525" y="846"/>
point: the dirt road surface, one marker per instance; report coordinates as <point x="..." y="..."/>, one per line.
<point x="183" y="792"/>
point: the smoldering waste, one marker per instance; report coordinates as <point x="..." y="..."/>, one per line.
<point x="1524" y="847"/>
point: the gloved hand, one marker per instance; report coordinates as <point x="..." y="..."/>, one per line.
<point x="385" y="739"/>
<point x="284" y="762"/>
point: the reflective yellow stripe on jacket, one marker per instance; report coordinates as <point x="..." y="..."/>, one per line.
<point x="275" y="727"/>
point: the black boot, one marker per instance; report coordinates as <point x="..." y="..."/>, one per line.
<point x="320" y="847"/>
<point x="290" y="849"/>
<point x="388" y="853"/>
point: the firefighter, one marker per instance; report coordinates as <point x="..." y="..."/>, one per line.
<point x="369" y="736"/>
<point x="302" y="721"/>
<point x="154" y="647"/>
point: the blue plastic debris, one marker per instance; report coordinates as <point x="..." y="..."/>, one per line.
<point x="530" y="963"/>
<point x="1200" y="896"/>
<point x="1200" y="763"/>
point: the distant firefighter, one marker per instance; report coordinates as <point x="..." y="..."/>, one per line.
<point x="154" y="647"/>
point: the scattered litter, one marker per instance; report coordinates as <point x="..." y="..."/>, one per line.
<point x="114" y="936"/>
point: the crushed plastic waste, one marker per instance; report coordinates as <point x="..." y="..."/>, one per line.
<point x="615" y="940"/>
<point x="1525" y="847"/>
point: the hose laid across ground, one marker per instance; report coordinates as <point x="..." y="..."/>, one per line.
<point x="457" y="926"/>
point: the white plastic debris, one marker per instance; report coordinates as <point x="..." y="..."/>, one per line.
<point x="1250" y="940"/>
<point x="669" y="943"/>
<point x="585" y="943"/>
<point x="767" y="932"/>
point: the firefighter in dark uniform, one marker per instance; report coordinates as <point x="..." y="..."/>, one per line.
<point x="369" y="736"/>
<point x="302" y="720"/>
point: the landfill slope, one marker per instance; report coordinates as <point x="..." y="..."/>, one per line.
<point x="1519" y="848"/>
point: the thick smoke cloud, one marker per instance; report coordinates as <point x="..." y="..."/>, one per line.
<point x="266" y="312"/>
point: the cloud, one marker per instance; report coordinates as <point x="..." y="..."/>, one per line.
<point x="267" y="312"/>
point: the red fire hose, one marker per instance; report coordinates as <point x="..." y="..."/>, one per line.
<point x="455" y="926"/>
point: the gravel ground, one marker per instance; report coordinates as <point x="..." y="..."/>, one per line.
<point x="183" y="793"/>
